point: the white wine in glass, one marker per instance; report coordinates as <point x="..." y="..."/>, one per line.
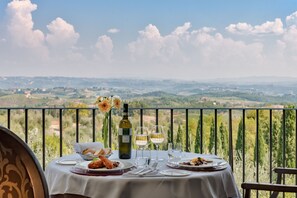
<point x="157" y="137"/>
<point x="141" y="138"/>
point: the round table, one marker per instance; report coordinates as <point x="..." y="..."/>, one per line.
<point x="198" y="184"/>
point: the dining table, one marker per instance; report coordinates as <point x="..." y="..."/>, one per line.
<point x="67" y="178"/>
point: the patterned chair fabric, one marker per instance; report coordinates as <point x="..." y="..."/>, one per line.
<point x="20" y="172"/>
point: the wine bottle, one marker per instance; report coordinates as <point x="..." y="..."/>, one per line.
<point x="125" y="135"/>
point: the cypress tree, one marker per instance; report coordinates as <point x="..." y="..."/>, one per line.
<point x="276" y="127"/>
<point x="239" y="143"/>
<point x="224" y="139"/>
<point x="179" y="136"/>
<point x="289" y="135"/>
<point x="198" y="137"/>
<point x="261" y="144"/>
<point x="211" y="137"/>
<point x="169" y="135"/>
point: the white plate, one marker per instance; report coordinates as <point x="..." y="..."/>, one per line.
<point x="66" y="162"/>
<point x="122" y="166"/>
<point x="174" y="173"/>
<point x="211" y="163"/>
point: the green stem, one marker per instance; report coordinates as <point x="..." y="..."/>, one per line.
<point x="105" y="130"/>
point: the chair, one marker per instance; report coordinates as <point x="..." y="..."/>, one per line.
<point x="275" y="188"/>
<point x="20" y="172"/>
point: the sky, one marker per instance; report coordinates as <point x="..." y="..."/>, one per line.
<point x="148" y="39"/>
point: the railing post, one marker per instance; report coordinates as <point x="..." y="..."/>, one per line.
<point x="187" y="130"/>
<point x="8" y="118"/>
<point x="201" y="130"/>
<point x="26" y="125"/>
<point x="284" y="143"/>
<point x="296" y="145"/>
<point x="141" y="119"/>
<point x="77" y="125"/>
<point x="94" y="124"/>
<point x="216" y="130"/>
<point x="243" y="147"/>
<point x="270" y="146"/>
<point x="61" y="131"/>
<point x="257" y="148"/>
<point x="43" y="138"/>
<point x="157" y="118"/>
<point x="230" y="140"/>
<point x="171" y="125"/>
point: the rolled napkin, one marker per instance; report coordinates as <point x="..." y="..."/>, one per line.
<point x="143" y="172"/>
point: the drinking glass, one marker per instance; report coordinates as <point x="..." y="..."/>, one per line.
<point x="157" y="137"/>
<point x="141" y="139"/>
<point x="174" y="152"/>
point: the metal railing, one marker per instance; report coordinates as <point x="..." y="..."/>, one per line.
<point x="185" y="112"/>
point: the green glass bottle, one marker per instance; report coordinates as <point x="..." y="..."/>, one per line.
<point x="125" y="135"/>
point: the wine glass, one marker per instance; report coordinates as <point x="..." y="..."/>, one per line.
<point x="157" y="137"/>
<point x="141" y="138"/>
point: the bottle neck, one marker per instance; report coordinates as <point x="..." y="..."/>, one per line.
<point x="125" y="115"/>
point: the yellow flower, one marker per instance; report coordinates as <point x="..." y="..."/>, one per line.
<point x="105" y="106"/>
<point x="116" y="102"/>
<point x="99" y="99"/>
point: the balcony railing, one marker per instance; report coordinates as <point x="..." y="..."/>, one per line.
<point x="243" y="162"/>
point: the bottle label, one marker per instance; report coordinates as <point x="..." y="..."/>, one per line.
<point x="125" y="138"/>
<point x="125" y="131"/>
<point x="125" y="134"/>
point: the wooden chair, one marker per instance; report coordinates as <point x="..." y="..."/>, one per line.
<point x="275" y="188"/>
<point x="20" y="172"/>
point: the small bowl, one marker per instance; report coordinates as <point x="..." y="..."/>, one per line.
<point x="89" y="157"/>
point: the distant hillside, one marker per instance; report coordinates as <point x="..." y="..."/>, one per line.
<point x="48" y="91"/>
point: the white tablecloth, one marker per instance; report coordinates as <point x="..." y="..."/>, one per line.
<point x="217" y="184"/>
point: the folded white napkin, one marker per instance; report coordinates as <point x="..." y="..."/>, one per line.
<point x="79" y="147"/>
<point x="137" y="173"/>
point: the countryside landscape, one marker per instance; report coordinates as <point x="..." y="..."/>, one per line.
<point x="72" y="93"/>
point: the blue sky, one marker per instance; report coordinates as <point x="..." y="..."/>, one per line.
<point x="190" y="39"/>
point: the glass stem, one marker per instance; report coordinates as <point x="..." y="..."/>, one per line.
<point x="157" y="157"/>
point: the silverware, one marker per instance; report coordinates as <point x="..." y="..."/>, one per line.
<point x="151" y="169"/>
<point x="139" y="171"/>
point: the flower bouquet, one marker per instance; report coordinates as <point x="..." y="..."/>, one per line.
<point x="105" y="105"/>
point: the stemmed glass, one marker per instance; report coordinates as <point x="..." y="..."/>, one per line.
<point x="141" y="138"/>
<point x="157" y="137"/>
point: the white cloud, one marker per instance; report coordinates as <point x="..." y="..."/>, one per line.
<point x="184" y="52"/>
<point x="242" y="28"/>
<point x="104" y="48"/>
<point x="62" y="34"/>
<point x="292" y="19"/>
<point x="214" y="52"/>
<point x="148" y="43"/>
<point x="269" y="27"/>
<point x="113" y="30"/>
<point x="151" y="45"/>
<point x="289" y="44"/>
<point x="20" y="25"/>
<point x="181" y="30"/>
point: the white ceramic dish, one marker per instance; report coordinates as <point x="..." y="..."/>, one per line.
<point x="66" y="162"/>
<point x="211" y="163"/>
<point x="174" y="173"/>
<point x="123" y="165"/>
